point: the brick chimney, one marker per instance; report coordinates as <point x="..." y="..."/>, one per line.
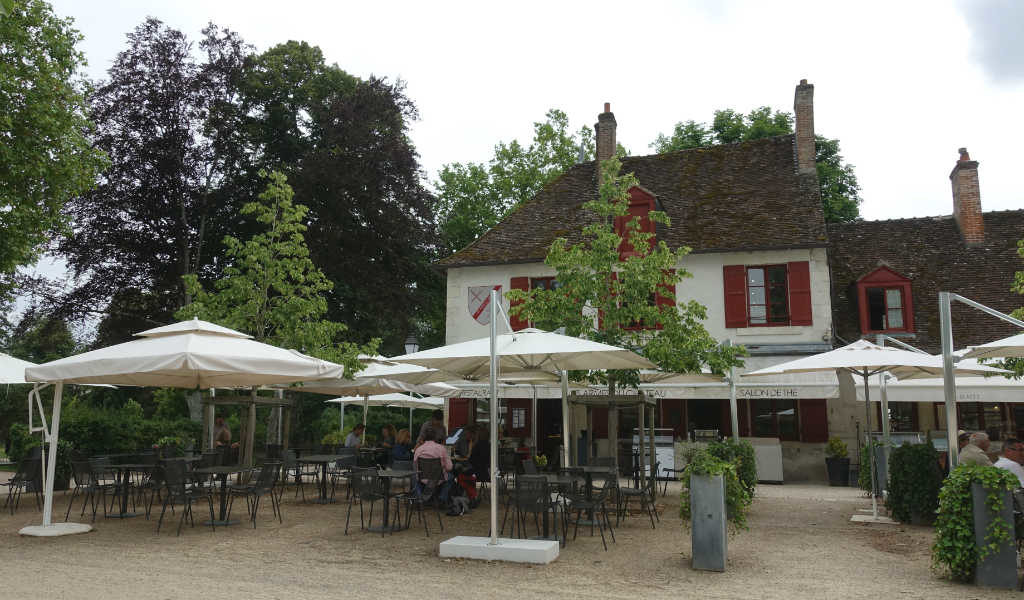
<point x="803" y="108"/>
<point x="967" y="199"/>
<point x="605" y="133"/>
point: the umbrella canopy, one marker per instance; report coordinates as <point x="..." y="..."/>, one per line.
<point x="864" y="358"/>
<point x="659" y="376"/>
<point x="189" y="354"/>
<point x="527" y="349"/>
<point x="394" y="400"/>
<point x="12" y="370"/>
<point x="1010" y="347"/>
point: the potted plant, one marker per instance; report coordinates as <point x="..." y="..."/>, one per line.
<point x="713" y="502"/>
<point x="915" y="479"/>
<point x="334" y="438"/>
<point x="541" y="461"/>
<point x="837" y="462"/>
<point x="170" y="446"/>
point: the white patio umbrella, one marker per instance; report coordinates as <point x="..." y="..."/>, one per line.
<point x="1011" y="347"/>
<point x="528" y="349"/>
<point x="190" y="354"/>
<point x="12" y="370"/>
<point x="864" y="359"/>
<point x="394" y="399"/>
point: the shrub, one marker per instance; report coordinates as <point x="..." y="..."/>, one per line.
<point x="955" y="554"/>
<point x="864" y="470"/>
<point x="740" y="454"/>
<point x="21" y="441"/>
<point x="737" y="498"/>
<point x="914" y="481"/>
<point x="333" y="438"/>
<point x="836" y="448"/>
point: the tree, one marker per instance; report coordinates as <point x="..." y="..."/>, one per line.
<point x="473" y="197"/>
<point x="632" y="301"/>
<point x="271" y="289"/>
<point x="840" y="191"/>
<point x="45" y="157"/>
<point x="156" y="214"/>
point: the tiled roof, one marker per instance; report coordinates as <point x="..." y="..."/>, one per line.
<point x="931" y="253"/>
<point x="744" y="196"/>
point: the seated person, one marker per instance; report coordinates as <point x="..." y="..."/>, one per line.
<point x="478" y="467"/>
<point x="355" y="438"/>
<point x="1013" y="456"/>
<point x="402" y="448"/>
<point x="974" y="453"/>
<point x="465" y="443"/>
<point x="431" y="449"/>
<point x="387" y="437"/>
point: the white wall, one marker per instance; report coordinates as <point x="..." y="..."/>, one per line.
<point x="706" y="286"/>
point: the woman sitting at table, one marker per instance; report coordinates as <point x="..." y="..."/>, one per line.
<point x="387" y="437"/>
<point x="478" y="466"/>
<point x="402" y="448"/>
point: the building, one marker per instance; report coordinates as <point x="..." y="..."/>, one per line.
<point x="772" y="275"/>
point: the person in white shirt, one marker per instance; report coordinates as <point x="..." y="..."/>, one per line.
<point x="1013" y="456"/>
<point x="355" y="438"/>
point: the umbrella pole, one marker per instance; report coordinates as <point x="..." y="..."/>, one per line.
<point x="410" y="419"/>
<point x="341" y="417"/>
<point x="871" y="451"/>
<point x="733" y="411"/>
<point x="565" y="419"/>
<point x="51" y="455"/>
<point x="948" y="379"/>
<point x="533" y="422"/>
<point x="366" y="407"/>
<point x="494" y="417"/>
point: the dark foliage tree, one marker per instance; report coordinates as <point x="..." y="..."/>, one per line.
<point x="840" y="192"/>
<point x="156" y="214"/>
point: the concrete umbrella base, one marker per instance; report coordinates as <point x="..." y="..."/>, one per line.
<point x="55" y="530"/>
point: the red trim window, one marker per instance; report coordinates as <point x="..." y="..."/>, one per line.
<point x="885" y="302"/>
<point x="544" y="283"/>
<point x="767" y="295"/>
<point x="641" y="202"/>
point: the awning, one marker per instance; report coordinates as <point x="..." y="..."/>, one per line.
<point x="968" y="389"/>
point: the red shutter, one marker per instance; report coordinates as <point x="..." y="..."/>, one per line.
<point x="459" y="411"/>
<point x="813" y="421"/>
<point x="735" y="278"/>
<point x="518" y="283"/>
<point x="799" y="293"/>
<point x="600" y="418"/>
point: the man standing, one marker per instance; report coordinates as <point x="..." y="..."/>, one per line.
<point x="355" y="438"/>
<point x="436" y="423"/>
<point x="1013" y="456"/>
<point x="221" y="433"/>
<point x="974" y="452"/>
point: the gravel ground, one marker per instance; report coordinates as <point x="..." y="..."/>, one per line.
<point x="801" y="544"/>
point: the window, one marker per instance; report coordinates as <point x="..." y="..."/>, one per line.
<point x="981" y="416"/>
<point x="885" y="302"/>
<point x="774" y="417"/>
<point x="767" y="298"/>
<point x="768" y="295"/>
<point x="544" y="283"/>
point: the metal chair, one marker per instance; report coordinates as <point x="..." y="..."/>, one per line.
<point x="27" y="477"/>
<point x="426" y="489"/>
<point x="341" y="470"/>
<point x="644" y="494"/>
<point x="263" y="486"/>
<point x="87" y="487"/>
<point x="596" y="506"/>
<point x="532" y="496"/>
<point x="179" y="493"/>
<point x="366" y="486"/>
<point x="669" y="475"/>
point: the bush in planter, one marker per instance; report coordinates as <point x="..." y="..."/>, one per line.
<point x="333" y="438"/>
<point x="837" y="462"/>
<point x="955" y="554"/>
<point x="740" y="454"/>
<point x="737" y="498"/>
<point x="864" y="469"/>
<point x="914" y="482"/>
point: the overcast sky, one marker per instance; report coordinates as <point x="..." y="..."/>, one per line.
<point x="901" y="84"/>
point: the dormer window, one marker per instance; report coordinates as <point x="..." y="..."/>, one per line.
<point x="885" y="302"/>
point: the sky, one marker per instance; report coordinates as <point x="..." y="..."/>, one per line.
<point x="902" y="85"/>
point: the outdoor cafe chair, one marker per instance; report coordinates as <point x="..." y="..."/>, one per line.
<point x="341" y="470"/>
<point x="426" y="490"/>
<point x="596" y="505"/>
<point x="531" y="496"/>
<point x="366" y="487"/>
<point x="87" y="487"/>
<point x="644" y="494"/>
<point x="178" y="492"/>
<point x="28" y="476"/>
<point x="292" y="468"/>
<point x="263" y="485"/>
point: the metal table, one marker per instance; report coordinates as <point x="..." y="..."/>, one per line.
<point x="323" y="460"/>
<point x="390" y="475"/>
<point x="122" y="486"/>
<point x="222" y="473"/>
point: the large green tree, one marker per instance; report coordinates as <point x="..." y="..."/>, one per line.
<point x="627" y="302"/>
<point x="473" y="197"/>
<point x="271" y="289"/>
<point x="45" y="157"/>
<point x="840" y="192"/>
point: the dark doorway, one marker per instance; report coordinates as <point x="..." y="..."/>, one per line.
<point x="704" y="413"/>
<point x="549" y="427"/>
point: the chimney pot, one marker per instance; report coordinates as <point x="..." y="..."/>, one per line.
<point x="803" y="82"/>
<point x="607" y="107"/>
<point x="967" y="199"/>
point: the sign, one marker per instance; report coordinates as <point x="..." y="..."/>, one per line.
<point x="479" y="302"/>
<point x="766" y="392"/>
